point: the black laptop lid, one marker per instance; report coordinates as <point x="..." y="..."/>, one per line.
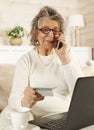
<point x="81" y="111"/>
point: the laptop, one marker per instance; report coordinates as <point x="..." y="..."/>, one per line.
<point x="80" y="113"/>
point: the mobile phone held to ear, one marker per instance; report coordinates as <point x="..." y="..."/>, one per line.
<point x="59" y="45"/>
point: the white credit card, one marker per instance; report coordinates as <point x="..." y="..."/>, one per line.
<point x="44" y="91"/>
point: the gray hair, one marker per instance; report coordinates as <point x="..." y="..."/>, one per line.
<point x="43" y="13"/>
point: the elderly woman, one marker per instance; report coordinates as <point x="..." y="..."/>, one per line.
<point x="49" y="64"/>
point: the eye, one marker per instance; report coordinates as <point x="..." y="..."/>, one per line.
<point x="56" y="32"/>
<point x="45" y="29"/>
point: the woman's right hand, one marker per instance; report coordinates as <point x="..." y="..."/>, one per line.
<point x="30" y="97"/>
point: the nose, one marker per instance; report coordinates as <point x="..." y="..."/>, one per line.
<point x="51" y="34"/>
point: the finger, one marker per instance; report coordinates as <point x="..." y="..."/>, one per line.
<point x="39" y="98"/>
<point x="29" y="91"/>
<point x="26" y="102"/>
<point x="35" y="97"/>
<point x="62" y="39"/>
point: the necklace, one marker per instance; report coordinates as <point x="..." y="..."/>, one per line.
<point x="49" y="60"/>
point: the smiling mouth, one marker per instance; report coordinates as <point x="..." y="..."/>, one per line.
<point x="51" y="41"/>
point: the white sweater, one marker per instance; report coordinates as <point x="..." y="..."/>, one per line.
<point x="61" y="78"/>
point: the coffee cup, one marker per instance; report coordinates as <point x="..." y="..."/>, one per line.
<point x="19" y="117"/>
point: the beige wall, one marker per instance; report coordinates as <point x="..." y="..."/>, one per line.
<point x="21" y="12"/>
<point x="87" y="34"/>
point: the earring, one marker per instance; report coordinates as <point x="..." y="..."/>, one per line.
<point x="37" y="43"/>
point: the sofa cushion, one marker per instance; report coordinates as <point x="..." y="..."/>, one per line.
<point x="89" y="68"/>
<point x="6" y="77"/>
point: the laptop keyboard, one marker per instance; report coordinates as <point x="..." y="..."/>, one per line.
<point x="54" y="122"/>
<point x="54" y="125"/>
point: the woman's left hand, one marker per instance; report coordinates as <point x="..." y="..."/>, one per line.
<point x="63" y="52"/>
<point x="30" y="97"/>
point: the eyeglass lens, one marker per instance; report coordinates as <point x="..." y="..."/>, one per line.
<point x="47" y="30"/>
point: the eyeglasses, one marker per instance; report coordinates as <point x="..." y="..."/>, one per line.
<point x="47" y="30"/>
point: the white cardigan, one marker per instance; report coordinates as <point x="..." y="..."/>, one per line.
<point x="61" y="78"/>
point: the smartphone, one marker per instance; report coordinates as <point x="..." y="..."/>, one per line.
<point x="58" y="45"/>
<point x="44" y="91"/>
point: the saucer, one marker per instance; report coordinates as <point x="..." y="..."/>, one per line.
<point x="29" y="127"/>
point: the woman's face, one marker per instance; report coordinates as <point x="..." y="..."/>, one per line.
<point x="48" y="31"/>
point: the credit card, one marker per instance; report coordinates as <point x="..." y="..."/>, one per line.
<point x="44" y="91"/>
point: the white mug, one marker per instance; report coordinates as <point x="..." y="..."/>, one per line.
<point x="19" y="117"/>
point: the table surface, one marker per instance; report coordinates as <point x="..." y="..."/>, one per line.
<point x="35" y="128"/>
<point x="88" y="128"/>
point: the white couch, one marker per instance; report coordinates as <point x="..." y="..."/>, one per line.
<point x="6" y="77"/>
<point x="12" y="54"/>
